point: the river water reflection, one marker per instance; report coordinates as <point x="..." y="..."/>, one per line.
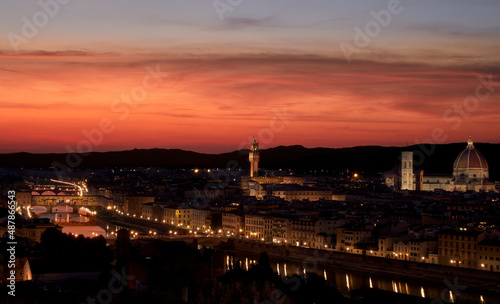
<point x="72" y="223"/>
<point x="61" y="215"/>
<point x="346" y="280"/>
<point x="64" y="217"/>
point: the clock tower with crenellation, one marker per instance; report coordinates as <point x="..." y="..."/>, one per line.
<point x="253" y="157"/>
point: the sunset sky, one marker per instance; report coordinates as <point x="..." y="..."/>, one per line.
<point x="274" y="69"/>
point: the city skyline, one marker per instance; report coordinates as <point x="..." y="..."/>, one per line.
<point x="245" y="151"/>
<point x="212" y="75"/>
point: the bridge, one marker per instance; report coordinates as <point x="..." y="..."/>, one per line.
<point x="53" y="193"/>
<point x="58" y="187"/>
<point x="67" y="201"/>
<point x="84" y="210"/>
<point x="61" y="208"/>
<point x="54" y="190"/>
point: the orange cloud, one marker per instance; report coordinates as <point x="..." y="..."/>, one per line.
<point x="212" y="104"/>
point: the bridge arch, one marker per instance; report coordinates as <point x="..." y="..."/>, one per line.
<point x="38" y="209"/>
<point x="48" y="193"/>
<point x="62" y="208"/>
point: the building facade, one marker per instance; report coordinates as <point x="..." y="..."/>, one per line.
<point x="133" y="204"/>
<point x="233" y="223"/>
<point x="458" y="248"/>
<point x="470" y="173"/>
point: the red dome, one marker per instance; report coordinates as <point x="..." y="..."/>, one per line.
<point x="470" y="158"/>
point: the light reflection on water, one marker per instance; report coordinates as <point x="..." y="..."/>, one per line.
<point x="71" y="217"/>
<point x="86" y="231"/>
<point x="62" y="217"/>
<point x="347" y="280"/>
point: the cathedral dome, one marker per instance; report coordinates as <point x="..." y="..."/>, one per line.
<point x="470" y="165"/>
<point x="470" y="158"/>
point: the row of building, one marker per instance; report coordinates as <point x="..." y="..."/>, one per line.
<point x="431" y="241"/>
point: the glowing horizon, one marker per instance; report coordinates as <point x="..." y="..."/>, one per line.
<point x="232" y="78"/>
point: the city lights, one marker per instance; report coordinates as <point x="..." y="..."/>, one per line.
<point x="201" y="151"/>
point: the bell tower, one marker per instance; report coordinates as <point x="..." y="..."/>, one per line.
<point x="253" y="157"/>
<point x="407" y="170"/>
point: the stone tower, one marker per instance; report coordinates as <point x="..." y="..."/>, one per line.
<point x="407" y="170"/>
<point x="253" y="157"/>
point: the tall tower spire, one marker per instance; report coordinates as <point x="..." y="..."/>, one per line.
<point x="253" y="157"/>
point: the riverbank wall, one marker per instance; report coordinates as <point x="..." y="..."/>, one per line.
<point x="310" y="257"/>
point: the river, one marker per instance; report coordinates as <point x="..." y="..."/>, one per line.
<point x="346" y="280"/>
<point x="72" y="223"/>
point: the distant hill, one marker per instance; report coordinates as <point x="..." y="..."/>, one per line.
<point x="370" y="159"/>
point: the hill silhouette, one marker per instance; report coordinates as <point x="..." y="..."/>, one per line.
<point x="369" y="159"/>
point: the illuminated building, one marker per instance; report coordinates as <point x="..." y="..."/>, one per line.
<point x="347" y="237"/>
<point x="253" y="157"/>
<point x="470" y="173"/>
<point x="291" y="192"/>
<point x="191" y="218"/>
<point x="287" y="187"/>
<point x="233" y="223"/>
<point x="489" y="254"/>
<point x="470" y="170"/>
<point x="458" y="248"/>
<point x="259" y="227"/>
<point x="407" y="171"/>
<point x="302" y="232"/>
<point x="133" y="203"/>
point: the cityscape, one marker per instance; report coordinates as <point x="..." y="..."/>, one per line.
<point x="234" y="151"/>
<point x="211" y="223"/>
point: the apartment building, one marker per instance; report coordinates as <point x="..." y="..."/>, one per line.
<point x="233" y="223"/>
<point x="458" y="248"/>
<point x="489" y="254"/>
